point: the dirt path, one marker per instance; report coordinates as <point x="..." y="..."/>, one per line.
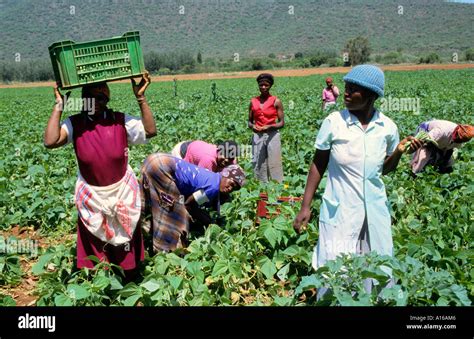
<point x="253" y="74"/>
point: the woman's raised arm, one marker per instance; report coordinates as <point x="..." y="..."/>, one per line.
<point x="54" y="135"/>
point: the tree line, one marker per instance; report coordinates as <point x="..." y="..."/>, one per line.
<point x="356" y="51"/>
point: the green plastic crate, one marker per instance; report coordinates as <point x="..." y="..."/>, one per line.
<point x="77" y="64"/>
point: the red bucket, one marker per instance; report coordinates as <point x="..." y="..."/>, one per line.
<point x="262" y="211"/>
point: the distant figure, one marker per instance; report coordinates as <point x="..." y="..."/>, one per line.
<point x="449" y="136"/>
<point x="330" y="93"/>
<point x="205" y="155"/>
<point x="266" y="117"/>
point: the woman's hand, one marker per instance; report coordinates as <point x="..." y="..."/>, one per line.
<point x="139" y="90"/>
<point x="265" y="128"/>
<point x="415" y="144"/>
<point x="302" y="219"/>
<point x="60" y="99"/>
<point x="54" y="135"/>
<point x="57" y="94"/>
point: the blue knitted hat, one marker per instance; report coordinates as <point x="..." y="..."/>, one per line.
<point x="367" y="76"/>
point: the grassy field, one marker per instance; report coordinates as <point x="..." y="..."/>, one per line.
<point x="238" y="262"/>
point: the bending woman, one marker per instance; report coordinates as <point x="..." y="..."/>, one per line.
<point x="205" y="155"/>
<point x="172" y="188"/>
<point x="448" y="136"/>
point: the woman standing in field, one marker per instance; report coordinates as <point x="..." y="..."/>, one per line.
<point x="173" y="190"/>
<point x="330" y="93"/>
<point x="448" y="136"/>
<point x="266" y="117"/>
<point x="107" y="193"/>
<point x="357" y="146"/>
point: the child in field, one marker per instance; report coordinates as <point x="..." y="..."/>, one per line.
<point x="449" y="136"/>
<point x="356" y="146"/>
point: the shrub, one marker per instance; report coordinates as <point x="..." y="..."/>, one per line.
<point x="470" y="54"/>
<point x="257" y="65"/>
<point x="334" y="62"/>
<point x="430" y="58"/>
<point x="392" y="58"/>
<point x="164" y="71"/>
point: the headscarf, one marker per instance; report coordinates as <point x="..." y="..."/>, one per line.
<point x="328" y="79"/>
<point x="267" y="77"/>
<point x="234" y="172"/>
<point x="463" y="133"/>
<point x="94" y="89"/>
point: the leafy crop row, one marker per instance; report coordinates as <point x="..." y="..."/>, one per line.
<point x="239" y="262"/>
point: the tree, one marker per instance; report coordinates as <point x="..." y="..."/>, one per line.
<point x="359" y="50"/>
<point x="256" y="65"/>
<point x="320" y="57"/>
<point x="470" y="54"/>
<point x="430" y="58"/>
<point x="199" y="58"/>
<point x="152" y="61"/>
<point x="298" y="55"/>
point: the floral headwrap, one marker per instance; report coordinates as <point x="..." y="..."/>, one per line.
<point x="234" y="172"/>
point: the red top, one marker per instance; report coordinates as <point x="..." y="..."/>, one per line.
<point x="101" y="147"/>
<point x="102" y="156"/>
<point x="266" y="115"/>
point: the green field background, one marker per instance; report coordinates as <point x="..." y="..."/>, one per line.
<point x="238" y="262"/>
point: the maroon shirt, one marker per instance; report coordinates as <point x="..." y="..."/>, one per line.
<point x="101" y="149"/>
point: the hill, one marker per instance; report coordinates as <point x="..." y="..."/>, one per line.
<point x="220" y="28"/>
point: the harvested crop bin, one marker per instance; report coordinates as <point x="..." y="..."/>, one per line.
<point x="77" y="64"/>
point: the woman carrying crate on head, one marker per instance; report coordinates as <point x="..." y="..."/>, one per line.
<point x="265" y="119"/>
<point x="107" y="193"/>
<point x="356" y="146"/>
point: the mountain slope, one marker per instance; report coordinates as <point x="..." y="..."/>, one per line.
<point x="220" y="28"/>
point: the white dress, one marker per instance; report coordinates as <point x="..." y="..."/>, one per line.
<point x="354" y="191"/>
